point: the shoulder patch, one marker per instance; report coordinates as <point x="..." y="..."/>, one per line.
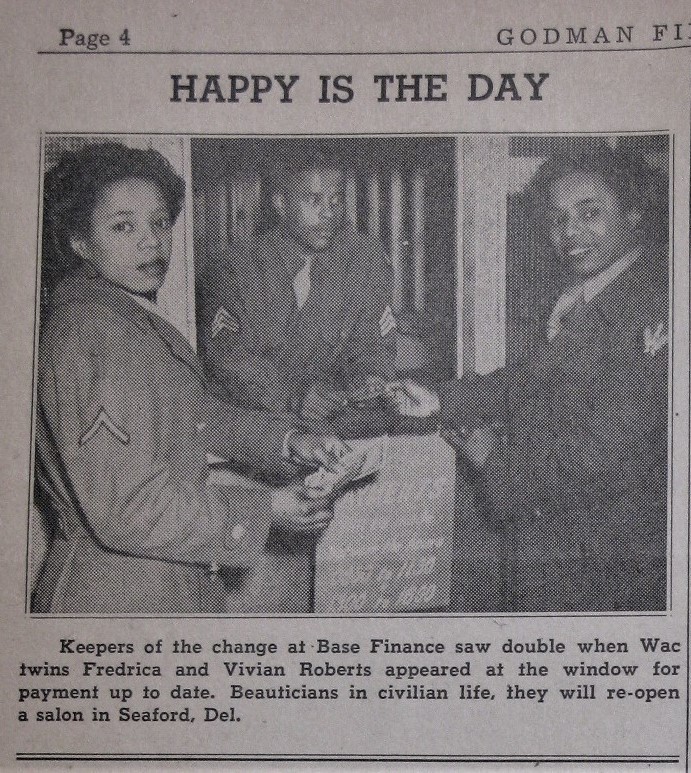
<point x="104" y="420"/>
<point x="655" y="339"/>
<point x="224" y="320"/>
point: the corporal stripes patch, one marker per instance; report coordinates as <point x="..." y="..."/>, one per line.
<point x="224" y="320"/>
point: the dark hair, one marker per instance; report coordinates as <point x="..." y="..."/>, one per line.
<point x="300" y="156"/>
<point x="74" y="185"/>
<point x="632" y="180"/>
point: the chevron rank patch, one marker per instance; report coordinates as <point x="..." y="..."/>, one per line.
<point x="224" y="320"/>
<point x="103" y="420"/>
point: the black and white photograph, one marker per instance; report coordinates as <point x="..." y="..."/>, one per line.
<point x="346" y="379"/>
<point x="345" y="375"/>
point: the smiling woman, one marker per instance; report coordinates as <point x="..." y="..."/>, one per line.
<point x="596" y="207"/>
<point x="589" y="227"/>
<point x="567" y="445"/>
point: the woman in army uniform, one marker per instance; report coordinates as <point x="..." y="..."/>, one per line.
<point x="126" y="418"/>
<point x="570" y="445"/>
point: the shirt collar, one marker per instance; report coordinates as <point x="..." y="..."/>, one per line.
<point x="295" y="256"/>
<point x="145" y="303"/>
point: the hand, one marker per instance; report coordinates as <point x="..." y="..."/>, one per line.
<point x="409" y="398"/>
<point x="475" y="447"/>
<point x="316" y="451"/>
<point x="320" y="402"/>
<point x="294" y="511"/>
<point x="368" y="393"/>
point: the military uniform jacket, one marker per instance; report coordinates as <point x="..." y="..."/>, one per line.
<point x="124" y="422"/>
<point x="269" y="352"/>
<point x="578" y="483"/>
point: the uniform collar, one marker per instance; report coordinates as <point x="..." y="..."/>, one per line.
<point x="294" y="255"/>
<point x="150" y="307"/>
<point x="85" y="285"/>
<point x="588" y="289"/>
<point x="594" y="285"/>
<point x="645" y="275"/>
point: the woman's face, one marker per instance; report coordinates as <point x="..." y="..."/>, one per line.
<point x="588" y="227"/>
<point x="130" y="236"/>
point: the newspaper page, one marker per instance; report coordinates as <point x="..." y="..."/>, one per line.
<point x="345" y="383"/>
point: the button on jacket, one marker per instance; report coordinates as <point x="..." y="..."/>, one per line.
<point x="125" y="419"/>
<point x="578" y="486"/>
<point x="266" y="350"/>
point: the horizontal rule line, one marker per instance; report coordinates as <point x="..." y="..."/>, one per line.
<point x="352" y="616"/>
<point x="353" y="757"/>
<point x="637" y="132"/>
<point x="522" y="50"/>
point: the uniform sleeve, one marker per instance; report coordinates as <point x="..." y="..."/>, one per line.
<point x="368" y="352"/>
<point x="228" y="351"/>
<point x="108" y="420"/>
<point x="251" y="440"/>
<point x="474" y="400"/>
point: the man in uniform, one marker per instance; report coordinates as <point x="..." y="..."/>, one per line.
<point x="570" y="447"/>
<point x="300" y="320"/>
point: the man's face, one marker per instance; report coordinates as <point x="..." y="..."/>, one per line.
<point x="312" y="207"/>
<point x="130" y="237"/>
<point x="588" y="227"/>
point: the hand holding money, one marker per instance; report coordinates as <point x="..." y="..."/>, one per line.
<point x="316" y="450"/>
<point x="409" y="398"/>
<point x="359" y="463"/>
<point x="294" y="511"/>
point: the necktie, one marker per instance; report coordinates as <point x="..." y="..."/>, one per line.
<point x="566" y="309"/>
<point x="301" y="284"/>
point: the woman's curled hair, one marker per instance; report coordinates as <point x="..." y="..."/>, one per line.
<point x="73" y="187"/>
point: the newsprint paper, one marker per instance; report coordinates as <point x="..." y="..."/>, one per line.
<point x="345" y="394"/>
